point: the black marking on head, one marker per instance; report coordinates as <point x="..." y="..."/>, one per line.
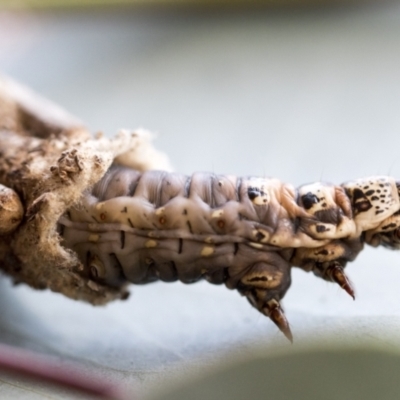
<point x="185" y="212"/>
<point x="130" y="223"/>
<point x="308" y="200"/>
<point x="379" y="212"/>
<point x="321" y="228"/>
<point x="189" y="226"/>
<point x="122" y="239"/>
<point x="180" y="246"/>
<point x="124" y="210"/>
<point x="360" y="202"/>
<point x="370" y="192"/>
<point x="374" y="198"/>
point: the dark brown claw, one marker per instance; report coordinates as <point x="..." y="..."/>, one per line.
<point x="336" y="274"/>
<point x="274" y="311"/>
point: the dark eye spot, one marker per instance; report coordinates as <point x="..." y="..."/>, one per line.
<point x="309" y="200"/>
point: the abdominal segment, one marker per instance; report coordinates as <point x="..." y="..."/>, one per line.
<point x="245" y="232"/>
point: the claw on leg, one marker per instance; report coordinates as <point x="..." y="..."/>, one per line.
<point x="336" y="273"/>
<point x="274" y="311"/>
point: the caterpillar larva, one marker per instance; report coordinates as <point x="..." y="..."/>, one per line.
<point x="244" y="232"/>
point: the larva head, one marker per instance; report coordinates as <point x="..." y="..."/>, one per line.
<point x="373" y="200"/>
<point x="387" y="233"/>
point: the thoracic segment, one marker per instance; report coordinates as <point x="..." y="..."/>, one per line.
<point x="244" y="232"/>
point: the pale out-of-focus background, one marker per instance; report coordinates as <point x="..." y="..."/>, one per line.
<point x="302" y="94"/>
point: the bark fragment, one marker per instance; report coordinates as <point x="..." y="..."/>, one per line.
<point x="49" y="159"/>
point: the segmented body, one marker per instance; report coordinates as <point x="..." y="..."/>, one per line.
<point x="244" y="232"/>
